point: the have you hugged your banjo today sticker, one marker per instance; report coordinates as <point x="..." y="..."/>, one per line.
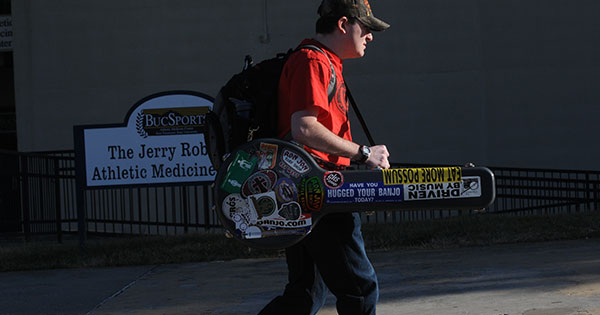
<point x="403" y="185"/>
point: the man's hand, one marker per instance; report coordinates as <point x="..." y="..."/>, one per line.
<point x="379" y="157"/>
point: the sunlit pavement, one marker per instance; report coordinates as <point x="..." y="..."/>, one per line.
<point x="555" y="278"/>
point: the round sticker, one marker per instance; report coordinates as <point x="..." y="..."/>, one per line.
<point x="286" y="190"/>
<point x="271" y="174"/>
<point x="265" y="206"/>
<point x="258" y="183"/>
<point x="234" y="204"/>
<point x="333" y="179"/>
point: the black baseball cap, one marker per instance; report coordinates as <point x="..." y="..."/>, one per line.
<point x="359" y="9"/>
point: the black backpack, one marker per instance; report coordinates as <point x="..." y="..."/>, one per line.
<point x="246" y="108"/>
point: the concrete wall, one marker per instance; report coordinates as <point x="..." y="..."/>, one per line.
<point x="494" y="82"/>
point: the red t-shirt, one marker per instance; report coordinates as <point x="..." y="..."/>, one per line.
<point x="303" y="86"/>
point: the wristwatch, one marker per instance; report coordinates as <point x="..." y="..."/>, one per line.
<point x="365" y="152"/>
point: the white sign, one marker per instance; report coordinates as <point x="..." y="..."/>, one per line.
<point x="6" y="32"/>
<point x="162" y="142"/>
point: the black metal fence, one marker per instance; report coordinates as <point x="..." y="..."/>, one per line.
<point x="162" y="210"/>
<point x="35" y="193"/>
<point x="38" y="196"/>
<point x="521" y="191"/>
<point x="538" y="191"/>
<point x="10" y="219"/>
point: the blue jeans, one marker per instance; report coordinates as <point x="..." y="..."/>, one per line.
<point x="332" y="256"/>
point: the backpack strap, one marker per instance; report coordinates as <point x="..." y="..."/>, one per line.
<point x="331" y="88"/>
<point x="359" y="116"/>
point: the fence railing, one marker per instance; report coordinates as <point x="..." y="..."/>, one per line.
<point x="38" y="196"/>
<point x="37" y="199"/>
<point x="164" y="210"/>
<point x="520" y="191"/>
<point x="543" y="191"/>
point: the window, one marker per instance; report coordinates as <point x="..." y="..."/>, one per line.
<point x="8" y="126"/>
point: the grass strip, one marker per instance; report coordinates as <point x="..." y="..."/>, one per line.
<point x="481" y="230"/>
<point x="472" y="230"/>
<point x="126" y="251"/>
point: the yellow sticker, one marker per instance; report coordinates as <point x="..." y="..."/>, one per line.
<point x="404" y="176"/>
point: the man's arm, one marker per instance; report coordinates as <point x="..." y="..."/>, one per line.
<point x="308" y="131"/>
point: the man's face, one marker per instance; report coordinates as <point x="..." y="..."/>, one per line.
<point x="358" y="37"/>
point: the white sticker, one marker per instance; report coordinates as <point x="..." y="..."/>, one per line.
<point x="237" y="209"/>
<point x="252" y="232"/>
<point x="469" y="187"/>
<point x="295" y="162"/>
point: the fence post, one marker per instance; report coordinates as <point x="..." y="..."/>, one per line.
<point x="205" y="192"/>
<point x="80" y="185"/>
<point x="25" y="198"/>
<point x="588" y="195"/>
<point x="186" y="220"/>
<point x="81" y="215"/>
<point x="596" y="190"/>
<point x="57" y="199"/>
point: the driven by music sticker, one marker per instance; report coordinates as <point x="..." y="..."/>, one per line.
<point x="469" y="187"/>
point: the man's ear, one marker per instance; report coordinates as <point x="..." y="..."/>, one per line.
<point x="342" y="23"/>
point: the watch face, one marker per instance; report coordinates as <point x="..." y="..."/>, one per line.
<point x="366" y="150"/>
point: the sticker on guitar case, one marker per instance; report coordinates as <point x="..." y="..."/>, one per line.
<point x="427" y="175"/>
<point x="290" y="211"/>
<point x="268" y="156"/>
<point x="286" y="190"/>
<point x="333" y="179"/>
<point x="237" y="210"/>
<point x="294" y="161"/>
<point x="364" y="193"/>
<point x="239" y="170"/>
<point x="310" y="194"/>
<point x="260" y="182"/>
<point x="263" y="204"/>
<point x="468" y="188"/>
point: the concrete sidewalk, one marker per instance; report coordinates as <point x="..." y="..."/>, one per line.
<point x="555" y="278"/>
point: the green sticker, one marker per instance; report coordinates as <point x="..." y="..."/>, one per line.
<point x="311" y="194"/>
<point x="239" y="170"/>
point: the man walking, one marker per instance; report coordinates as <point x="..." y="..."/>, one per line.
<point x="332" y="256"/>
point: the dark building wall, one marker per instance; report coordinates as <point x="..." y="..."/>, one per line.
<point x="505" y="82"/>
